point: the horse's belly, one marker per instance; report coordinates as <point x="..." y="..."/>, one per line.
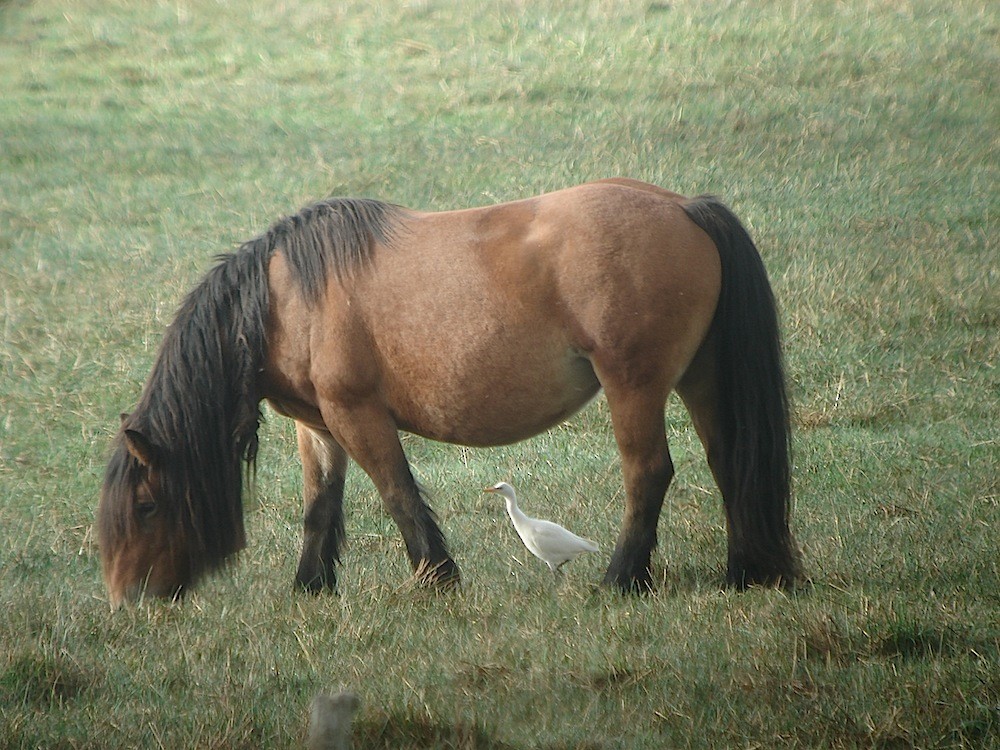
<point x="495" y="400"/>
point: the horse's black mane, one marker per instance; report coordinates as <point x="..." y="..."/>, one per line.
<point x="200" y="405"/>
<point x="334" y="236"/>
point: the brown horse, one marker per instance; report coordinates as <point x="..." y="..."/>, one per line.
<point x="485" y="326"/>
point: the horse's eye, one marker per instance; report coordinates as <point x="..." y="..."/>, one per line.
<point x="145" y="510"/>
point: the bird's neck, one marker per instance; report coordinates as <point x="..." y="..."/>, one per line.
<point x="513" y="511"/>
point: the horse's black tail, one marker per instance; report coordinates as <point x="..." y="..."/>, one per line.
<point x="752" y="451"/>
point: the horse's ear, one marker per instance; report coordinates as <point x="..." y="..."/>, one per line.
<point x="140" y="447"/>
<point x="124" y="417"/>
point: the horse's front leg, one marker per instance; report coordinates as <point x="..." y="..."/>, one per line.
<point x="647" y="470"/>
<point x="324" y="467"/>
<point x="370" y="436"/>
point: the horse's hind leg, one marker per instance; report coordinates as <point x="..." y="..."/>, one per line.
<point x="637" y="417"/>
<point x="324" y="467"/>
<point x="756" y="555"/>
<point x="698" y="390"/>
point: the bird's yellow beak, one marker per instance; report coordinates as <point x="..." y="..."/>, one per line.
<point x="489" y="489"/>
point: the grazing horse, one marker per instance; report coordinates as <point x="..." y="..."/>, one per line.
<point x="359" y="319"/>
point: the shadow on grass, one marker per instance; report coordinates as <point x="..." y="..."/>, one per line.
<point x="7" y="4"/>
<point x="909" y="639"/>
<point x="41" y="681"/>
<point x="401" y="732"/>
<point x="686" y="579"/>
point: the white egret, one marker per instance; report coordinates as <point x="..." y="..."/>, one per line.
<point x="546" y="540"/>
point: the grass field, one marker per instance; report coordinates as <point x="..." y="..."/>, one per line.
<point x="859" y="141"/>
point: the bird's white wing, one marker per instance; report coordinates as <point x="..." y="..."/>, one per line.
<point x="554" y="537"/>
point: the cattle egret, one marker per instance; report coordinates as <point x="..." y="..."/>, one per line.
<point x="547" y="541"/>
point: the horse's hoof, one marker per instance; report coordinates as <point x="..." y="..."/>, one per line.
<point x="630" y="584"/>
<point x="317" y="585"/>
<point x="742" y="577"/>
<point x="443" y="575"/>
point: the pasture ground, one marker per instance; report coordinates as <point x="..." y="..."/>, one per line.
<point x="857" y="139"/>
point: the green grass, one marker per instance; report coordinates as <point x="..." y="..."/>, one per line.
<point x="859" y="142"/>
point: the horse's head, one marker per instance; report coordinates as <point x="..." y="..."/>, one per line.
<point x="144" y="547"/>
